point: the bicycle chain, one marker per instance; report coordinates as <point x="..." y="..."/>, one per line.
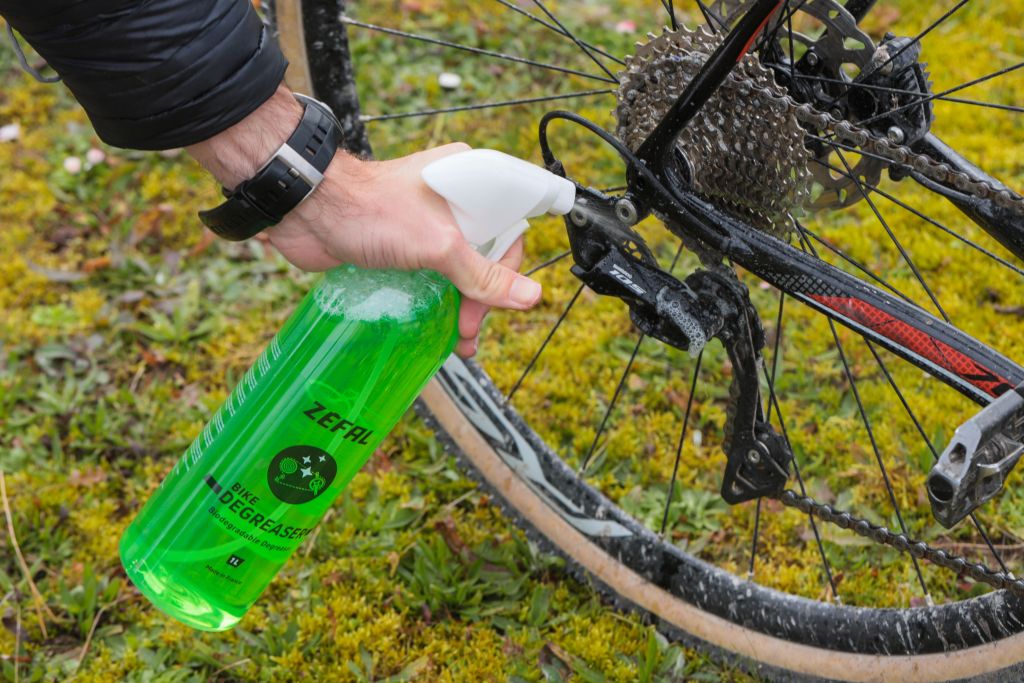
<point x="855" y="136"/>
<point x="903" y="543"/>
<point x="900" y="155"/>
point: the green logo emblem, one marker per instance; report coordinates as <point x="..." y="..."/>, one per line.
<point x="299" y="474"/>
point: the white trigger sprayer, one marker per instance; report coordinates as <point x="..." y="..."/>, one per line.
<point x="492" y="194"/>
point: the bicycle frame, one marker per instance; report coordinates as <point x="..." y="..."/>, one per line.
<point x="901" y="327"/>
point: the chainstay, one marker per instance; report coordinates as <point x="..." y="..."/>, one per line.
<point x="901" y="542"/>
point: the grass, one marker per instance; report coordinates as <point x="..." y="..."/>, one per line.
<point x="124" y="328"/>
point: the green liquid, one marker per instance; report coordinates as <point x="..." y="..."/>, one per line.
<point x="304" y="419"/>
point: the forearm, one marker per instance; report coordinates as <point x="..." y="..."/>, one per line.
<point x="235" y="154"/>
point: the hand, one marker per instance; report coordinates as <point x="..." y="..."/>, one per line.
<point x="373" y="215"/>
<point x="382" y="215"/>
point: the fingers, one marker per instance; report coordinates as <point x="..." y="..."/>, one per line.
<point x="472" y="313"/>
<point x="471" y="316"/>
<point x="486" y="281"/>
<point x="466" y="348"/>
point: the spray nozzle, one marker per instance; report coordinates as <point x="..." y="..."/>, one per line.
<point x="492" y="194"/>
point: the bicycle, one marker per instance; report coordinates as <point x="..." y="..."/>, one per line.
<point x="821" y="110"/>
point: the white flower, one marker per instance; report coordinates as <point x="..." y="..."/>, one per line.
<point x="449" y="81"/>
<point x="625" y="26"/>
<point x="73" y="165"/>
<point x="10" y="132"/>
<point x="95" y="156"/>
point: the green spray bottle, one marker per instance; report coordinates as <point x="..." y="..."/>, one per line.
<point x="309" y="413"/>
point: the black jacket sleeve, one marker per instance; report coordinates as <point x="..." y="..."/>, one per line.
<point x="155" y="74"/>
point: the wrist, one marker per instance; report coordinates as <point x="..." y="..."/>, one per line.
<point x="332" y="198"/>
<point x="289" y="161"/>
<point x="235" y="154"/>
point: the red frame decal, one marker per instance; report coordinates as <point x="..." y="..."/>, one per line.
<point x="750" y="41"/>
<point x="917" y="341"/>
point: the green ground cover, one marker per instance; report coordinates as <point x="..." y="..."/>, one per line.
<point x="124" y="327"/>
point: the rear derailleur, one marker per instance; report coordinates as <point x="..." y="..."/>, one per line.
<point x="612" y="259"/>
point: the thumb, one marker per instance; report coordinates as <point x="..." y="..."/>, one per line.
<point x="490" y="283"/>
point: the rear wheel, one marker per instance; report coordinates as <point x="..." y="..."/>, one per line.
<point x="631" y="499"/>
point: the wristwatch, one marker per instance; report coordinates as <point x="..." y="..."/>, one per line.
<point x="296" y="169"/>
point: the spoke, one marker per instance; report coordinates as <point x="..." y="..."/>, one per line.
<point x="475" y="50"/>
<point x="878" y="455"/>
<point x="852" y="261"/>
<point x="792" y="55"/>
<point x="622" y="382"/>
<point x="838" y="146"/>
<point x="753" y="541"/>
<point x="533" y="17"/>
<point x="669" y="6"/>
<point x="774" y="402"/>
<point x="775" y="366"/>
<point x="485" y="105"/>
<point x="682" y="439"/>
<point x="785" y="18"/>
<point x="611" y="406"/>
<point x="778" y="339"/>
<point x="892" y="236"/>
<point x="931" y="447"/>
<point x="979" y="103"/>
<point x="879" y="191"/>
<point x="550" y="262"/>
<point x="533" y="361"/>
<point x="874" y="444"/>
<point x="580" y="44"/>
<point x="962" y="86"/>
<point x="988" y="542"/>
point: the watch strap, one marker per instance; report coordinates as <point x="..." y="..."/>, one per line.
<point x="292" y="174"/>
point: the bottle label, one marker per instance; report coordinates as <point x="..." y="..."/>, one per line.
<point x="301" y="473"/>
<point x="243" y="513"/>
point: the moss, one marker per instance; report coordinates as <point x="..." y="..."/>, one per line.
<point x="88" y="256"/>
